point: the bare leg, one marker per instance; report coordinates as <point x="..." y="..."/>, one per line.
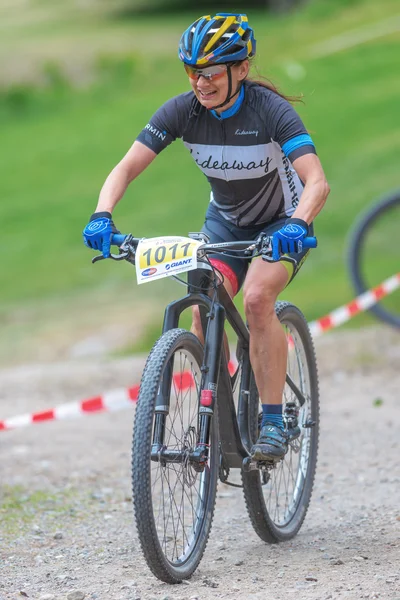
<point x="268" y="353"/>
<point x="268" y="345"/>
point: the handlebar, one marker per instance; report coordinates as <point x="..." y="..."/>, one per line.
<point x="262" y="246"/>
<point x="117" y="239"/>
<point x="310" y="242"/>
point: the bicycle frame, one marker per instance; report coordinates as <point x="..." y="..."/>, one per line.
<point x="234" y="432"/>
<point x="233" y="429"/>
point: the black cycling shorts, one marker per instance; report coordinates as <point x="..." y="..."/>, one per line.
<point x="235" y="269"/>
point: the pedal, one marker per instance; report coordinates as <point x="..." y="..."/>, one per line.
<point x="309" y="424"/>
<point x="249" y="465"/>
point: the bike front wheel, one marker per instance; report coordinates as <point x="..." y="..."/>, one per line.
<point x="277" y="498"/>
<point x="173" y="500"/>
<point x="373" y="255"/>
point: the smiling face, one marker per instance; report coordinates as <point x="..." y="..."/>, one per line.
<point x="212" y="89"/>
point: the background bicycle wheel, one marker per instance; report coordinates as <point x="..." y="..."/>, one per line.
<point x="374" y="254"/>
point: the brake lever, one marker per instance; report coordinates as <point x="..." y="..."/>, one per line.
<point x="265" y="242"/>
<point x="97" y="258"/>
<point x="120" y="256"/>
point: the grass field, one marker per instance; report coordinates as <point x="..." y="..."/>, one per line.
<point x="89" y="91"/>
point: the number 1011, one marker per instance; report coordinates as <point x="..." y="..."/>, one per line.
<point x="163" y="253"/>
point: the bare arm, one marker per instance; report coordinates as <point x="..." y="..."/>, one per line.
<point x="136" y="160"/>
<point x="316" y="188"/>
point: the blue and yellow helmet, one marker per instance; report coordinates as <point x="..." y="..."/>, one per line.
<point x="227" y="37"/>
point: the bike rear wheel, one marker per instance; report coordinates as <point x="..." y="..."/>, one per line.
<point x="173" y="503"/>
<point x="277" y="499"/>
<point x="373" y="255"/>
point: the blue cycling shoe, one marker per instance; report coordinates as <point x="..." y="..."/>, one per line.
<point x="272" y="443"/>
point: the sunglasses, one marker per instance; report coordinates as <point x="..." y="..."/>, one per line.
<point x="210" y="73"/>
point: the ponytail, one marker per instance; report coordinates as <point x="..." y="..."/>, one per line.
<point x="266" y="83"/>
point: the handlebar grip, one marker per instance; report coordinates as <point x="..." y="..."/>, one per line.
<point x="118" y="239"/>
<point x="310" y="242"/>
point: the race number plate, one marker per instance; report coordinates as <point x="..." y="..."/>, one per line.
<point x="164" y="256"/>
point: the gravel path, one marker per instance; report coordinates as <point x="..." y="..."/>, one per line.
<point x="67" y="529"/>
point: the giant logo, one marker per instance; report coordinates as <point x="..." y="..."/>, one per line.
<point x="179" y="263"/>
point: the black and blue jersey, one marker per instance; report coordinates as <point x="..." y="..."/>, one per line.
<point x="246" y="152"/>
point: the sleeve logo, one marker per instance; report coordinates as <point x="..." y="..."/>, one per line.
<point x="156" y="132"/>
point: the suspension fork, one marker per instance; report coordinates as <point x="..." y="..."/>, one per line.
<point x="212" y="317"/>
<point x="210" y="369"/>
<point x="213" y="327"/>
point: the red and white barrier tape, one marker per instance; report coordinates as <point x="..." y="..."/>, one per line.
<point x="353" y="308"/>
<point x="112" y="401"/>
<point x="122" y="398"/>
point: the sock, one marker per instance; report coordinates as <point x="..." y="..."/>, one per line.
<point x="272" y="413"/>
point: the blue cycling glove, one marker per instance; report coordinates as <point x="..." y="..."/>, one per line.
<point x="97" y="233"/>
<point x="289" y="238"/>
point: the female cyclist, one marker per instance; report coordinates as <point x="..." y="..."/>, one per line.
<point x="264" y="175"/>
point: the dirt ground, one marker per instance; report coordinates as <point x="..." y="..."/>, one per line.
<point x="67" y="528"/>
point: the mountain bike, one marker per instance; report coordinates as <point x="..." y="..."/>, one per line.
<point x="373" y="256"/>
<point x="197" y="417"/>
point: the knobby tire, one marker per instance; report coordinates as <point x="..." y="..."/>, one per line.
<point x="175" y="556"/>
